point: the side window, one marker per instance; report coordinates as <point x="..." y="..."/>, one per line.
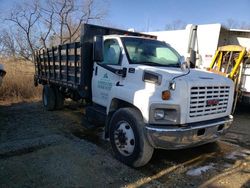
<point x="112" y="52"/>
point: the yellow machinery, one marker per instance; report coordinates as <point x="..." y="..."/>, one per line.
<point x="229" y="61"/>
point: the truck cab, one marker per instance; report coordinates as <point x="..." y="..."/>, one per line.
<point x="145" y="95"/>
<point x="178" y="109"/>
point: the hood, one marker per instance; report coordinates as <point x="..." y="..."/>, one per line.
<point x="194" y="76"/>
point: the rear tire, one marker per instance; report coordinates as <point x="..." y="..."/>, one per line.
<point x="59" y="99"/>
<point x="127" y="138"/>
<point x="48" y="97"/>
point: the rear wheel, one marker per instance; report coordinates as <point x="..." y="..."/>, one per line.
<point x="48" y="97"/>
<point x="59" y="99"/>
<point x="127" y="138"/>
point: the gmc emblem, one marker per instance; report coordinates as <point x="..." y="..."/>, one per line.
<point x="212" y="102"/>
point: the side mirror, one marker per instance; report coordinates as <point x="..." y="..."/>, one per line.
<point x="184" y="66"/>
<point x="98" y="49"/>
<point x="192" y="58"/>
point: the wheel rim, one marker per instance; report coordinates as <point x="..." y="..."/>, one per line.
<point x="124" y="138"/>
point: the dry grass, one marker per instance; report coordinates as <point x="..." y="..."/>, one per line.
<point x="18" y="84"/>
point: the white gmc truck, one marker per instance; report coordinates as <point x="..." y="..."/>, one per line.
<point x="139" y="89"/>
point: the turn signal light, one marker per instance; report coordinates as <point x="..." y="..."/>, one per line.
<point x="165" y="95"/>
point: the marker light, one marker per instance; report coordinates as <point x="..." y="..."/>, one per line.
<point x="165" y="95"/>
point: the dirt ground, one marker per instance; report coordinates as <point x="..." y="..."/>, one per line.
<point x="54" y="149"/>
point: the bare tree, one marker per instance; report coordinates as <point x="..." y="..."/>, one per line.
<point x="245" y="25"/>
<point x="234" y="24"/>
<point x="69" y="16"/>
<point x="231" y="23"/>
<point x="47" y="21"/>
<point x="25" y="18"/>
<point x="14" y="45"/>
<point x="38" y="25"/>
<point x="7" y="44"/>
<point x="175" y="25"/>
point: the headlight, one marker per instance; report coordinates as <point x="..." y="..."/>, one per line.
<point x="152" y="77"/>
<point x="170" y="114"/>
<point x="159" y="114"/>
<point x="166" y="114"/>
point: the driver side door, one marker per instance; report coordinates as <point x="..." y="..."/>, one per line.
<point x="103" y="79"/>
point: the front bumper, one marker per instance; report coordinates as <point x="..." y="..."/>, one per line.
<point x="193" y="134"/>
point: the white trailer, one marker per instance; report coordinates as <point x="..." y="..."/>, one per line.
<point x="205" y="40"/>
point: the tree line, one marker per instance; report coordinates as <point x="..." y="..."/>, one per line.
<point x="34" y="25"/>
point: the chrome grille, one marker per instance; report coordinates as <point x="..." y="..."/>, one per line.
<point x="208" y="100"/>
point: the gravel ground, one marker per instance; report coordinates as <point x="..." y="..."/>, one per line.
<point x="240" y="131"/>
<point x="54" y="149"/>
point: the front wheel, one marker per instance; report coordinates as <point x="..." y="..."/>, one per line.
<point x="127" y="138"/>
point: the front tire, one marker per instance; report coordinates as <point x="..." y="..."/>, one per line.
<point x="127" y="138"/>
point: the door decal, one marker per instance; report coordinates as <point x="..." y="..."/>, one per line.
<point x="105" y="85"/>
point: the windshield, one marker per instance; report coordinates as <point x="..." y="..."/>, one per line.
<point x="150" y="52"/>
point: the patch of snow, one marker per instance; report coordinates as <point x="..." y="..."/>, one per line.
<point x="234" y="155"/>
<point x="227" y="165"/>
<point x="246" y="151"/>
<point x="198" y="171"/>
